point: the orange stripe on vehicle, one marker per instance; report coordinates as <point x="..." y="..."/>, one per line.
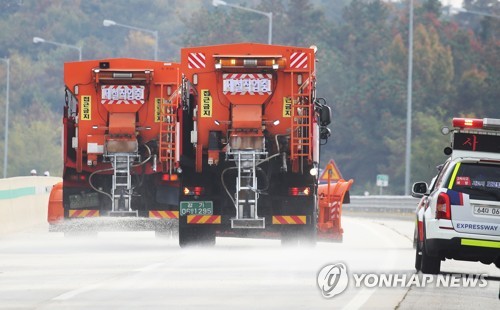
<point x="298" y="219"/>
<point x="279" y="220"/>
<point x="203" y="219"/>
<point x="289" y="220"/>
<point x="164" y="214"/>
<point x="195" y="219"/>
<point x="83" y="213"/>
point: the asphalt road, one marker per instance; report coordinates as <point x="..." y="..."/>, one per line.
<point x="135" y="270"/>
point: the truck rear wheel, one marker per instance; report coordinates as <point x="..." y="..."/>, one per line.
<point x="294" y="235"/>
<point x="196" y="236"/>
<point x="289" y="236"/>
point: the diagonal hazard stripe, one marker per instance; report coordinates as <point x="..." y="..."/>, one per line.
<point x="164" y="214"/>
<point x="298" y="219"/>
<point x="196" y="60"/>
<point x="289" y="220"/>
<point x="195" y="219"/>
<point x="298" y="60"/>
<point x="279" y="220"/>
<point x="83" y="213"/>
<point x="204" y="219"/>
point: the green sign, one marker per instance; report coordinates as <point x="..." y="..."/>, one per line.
<point x="382" y="180"/>
<point x="196" y="208"/>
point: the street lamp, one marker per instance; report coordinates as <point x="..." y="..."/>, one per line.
<point x="37" y="40"/>
<point x="408" y="103"/>
<point x="6" y="138"/>
<point x="108" y="23"/>
<point x="462" y="10"/>
<point x="268" y="14"/>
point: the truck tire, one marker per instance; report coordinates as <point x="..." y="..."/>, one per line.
<point x="196" y="236"/>
<point x="289" y="236"/>
<point x="187" y="237"/>
<point x="308" y="235"/>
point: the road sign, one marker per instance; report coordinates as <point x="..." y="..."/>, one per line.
<point x="382" y="180"/>
<point x="331" y="168"/>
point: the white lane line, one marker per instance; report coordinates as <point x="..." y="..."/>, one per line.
<point x="150" y="267"/>
<point x="73" y="293"/>
<point x="364" y="294"/>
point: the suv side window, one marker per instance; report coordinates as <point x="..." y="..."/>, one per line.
<point x="440" y="176"/>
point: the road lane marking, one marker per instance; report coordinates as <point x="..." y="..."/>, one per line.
<point x="364" y="294"/>
<point x="73" y="293"/>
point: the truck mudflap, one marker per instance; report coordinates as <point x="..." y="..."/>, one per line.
<point x="331" y="198"/>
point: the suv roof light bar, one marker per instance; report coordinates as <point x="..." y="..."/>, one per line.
<point x="485" y="123"/>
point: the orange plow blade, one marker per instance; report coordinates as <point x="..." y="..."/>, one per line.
<point x="56" y="210"/>
<point x="331" y="197"/>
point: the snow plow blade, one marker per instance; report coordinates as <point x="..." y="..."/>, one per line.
<point x="331" y="198"/>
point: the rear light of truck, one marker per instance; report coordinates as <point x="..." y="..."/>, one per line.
<point x="443" y="207"/>
<point x="299" y="191"/>
<point x="78" y="177"/>
<point x="272" y="61"/>
<point x="170" y="177"/>
<point x="193" y="191"/>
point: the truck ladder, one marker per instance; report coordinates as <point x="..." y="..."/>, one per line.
<point x="246" y="191"/>
<point x="168" y="128"/>
<point x="301" y="112"/>
<point x="121" y="189"/>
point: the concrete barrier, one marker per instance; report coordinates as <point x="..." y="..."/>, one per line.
<point x="23" y="202"/>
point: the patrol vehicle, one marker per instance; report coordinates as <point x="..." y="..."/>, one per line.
<point x="459" y="215"/>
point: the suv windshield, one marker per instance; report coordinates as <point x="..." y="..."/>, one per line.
<point x="480" y="181"/>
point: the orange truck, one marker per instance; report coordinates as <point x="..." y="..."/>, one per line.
<point x="252" y="131"/>
<point x="121" y="144"/>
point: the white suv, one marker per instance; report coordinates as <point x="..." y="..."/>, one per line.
<point x="459" y="216"/>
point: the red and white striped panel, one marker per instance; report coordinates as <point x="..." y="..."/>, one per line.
<point x="246" y="83"/>
<point x="122" y="94"/>
<point x="298" y="60"/>
<point x="334" y="211"/>
<point x="196" y="60"/>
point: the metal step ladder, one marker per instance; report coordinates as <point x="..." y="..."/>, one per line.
<point x="121" y="190"/>
<point x="168" y="128"/>
<point x="301" y="110"/>
<point x="246" y="191"/>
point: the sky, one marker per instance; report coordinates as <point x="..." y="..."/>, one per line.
<point x="455" y="3"/>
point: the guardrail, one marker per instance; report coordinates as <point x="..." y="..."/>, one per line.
<point x="394" y="204"/>
<point x="23" y="202"/>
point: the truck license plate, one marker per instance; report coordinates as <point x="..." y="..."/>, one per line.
<point x="486" y="210"/>
<point x="196" y="208"/>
